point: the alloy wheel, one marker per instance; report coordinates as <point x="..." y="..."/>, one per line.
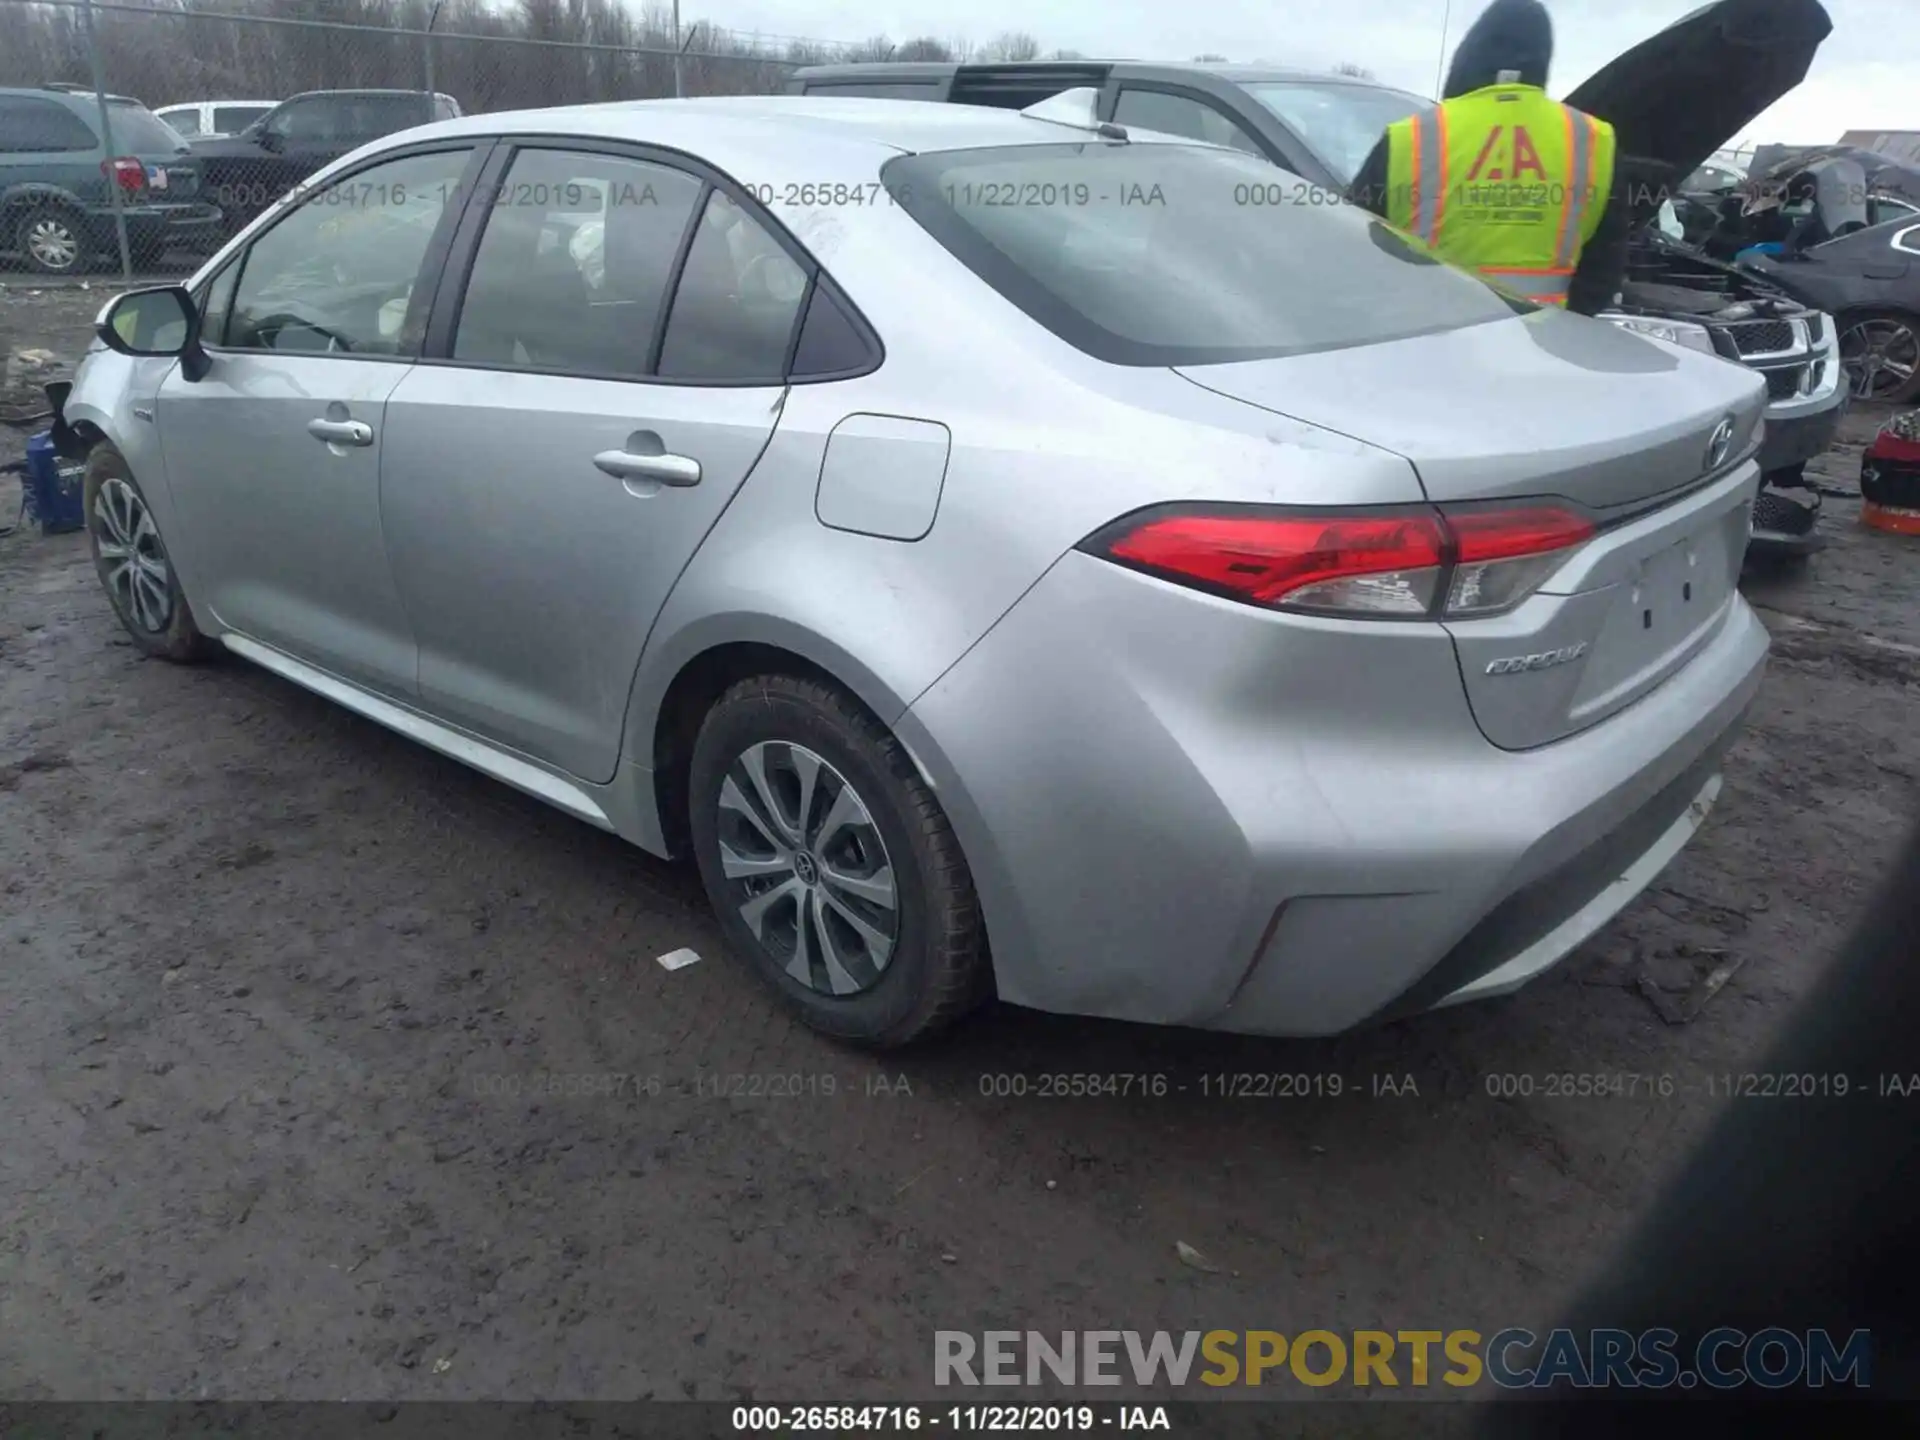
<point x="807" y="867"/>
<point x="133" y="562"/>
<point x="1881" y="356"/>
<point x="52" y="242"/>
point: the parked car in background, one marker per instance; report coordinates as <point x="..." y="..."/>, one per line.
<point x="213" y="119"/>
<point x="1869" y="280"/>
<point x="1322" y="127"/>
<point x="248" y="172"/>
<point x="1140" y="603"/>
<point x="57" y="179"/>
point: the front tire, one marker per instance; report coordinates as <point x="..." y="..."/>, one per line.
<point x="133" y="564"/>
<point x="831" y="866"/>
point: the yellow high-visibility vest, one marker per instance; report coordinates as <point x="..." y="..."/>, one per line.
<point x="1505" y="181"/>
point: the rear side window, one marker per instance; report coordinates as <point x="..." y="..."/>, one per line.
<point x="739" y="296"/>
<point x="138" y="131"/>
<point x="29" y="126"/>
<point x="575" y="263"/>
<point x="186" y="122"/>
<point x="1155" y="254"/>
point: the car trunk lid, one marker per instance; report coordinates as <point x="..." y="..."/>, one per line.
<point x="1647" y="438"/>
<point x="1531" y="406"/>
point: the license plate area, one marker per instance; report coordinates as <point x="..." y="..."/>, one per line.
<point x="1659" y="617"/>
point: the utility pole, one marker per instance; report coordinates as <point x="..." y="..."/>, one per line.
<point x="114" y="197"/>
<point x="679" y="74"/>
<point x="1440" y="65"/>
<point x="426" y="51"/>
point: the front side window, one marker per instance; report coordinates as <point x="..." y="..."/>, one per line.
<point x="311" y="121"/>
<point x="1155" y="254"/>
<point x="232" y="119"/>
<point x="739" y="296"/>
<point x="186" y="122"/>
<point x="573" y="269"/>
<point x="1180" y="115"/>
<point x="1340" y="123"/>
<point x="337" y="275"/>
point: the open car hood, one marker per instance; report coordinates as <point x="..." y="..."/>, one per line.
<point x="1680" y="95"/>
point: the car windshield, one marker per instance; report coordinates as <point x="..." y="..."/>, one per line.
<point x="1151" y="254"/>
<point x="138" y="131"/>
<point x="1340" y="123"/>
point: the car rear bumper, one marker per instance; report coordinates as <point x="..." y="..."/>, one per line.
<point x="1188" y="811"/>
<point x="159" y="225"/>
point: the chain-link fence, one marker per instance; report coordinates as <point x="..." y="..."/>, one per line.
<point x="267" y="94"/>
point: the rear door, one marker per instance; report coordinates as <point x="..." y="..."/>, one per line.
<point x="595" y="390"/>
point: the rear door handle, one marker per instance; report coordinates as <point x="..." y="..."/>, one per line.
<point x="667" y="469"/>
<point x="341" y="432"/>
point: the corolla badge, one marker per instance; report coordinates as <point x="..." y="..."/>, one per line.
<point x="1544" y="660"/>
<point x="1720" y="443"/>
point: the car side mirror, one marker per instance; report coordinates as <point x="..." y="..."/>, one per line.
<point x="163" y="321"/>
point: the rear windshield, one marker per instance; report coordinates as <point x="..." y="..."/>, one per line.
<point x="138" y="131"/>
<point x="1340" y="123"/>
<point x="1150" y="254"/>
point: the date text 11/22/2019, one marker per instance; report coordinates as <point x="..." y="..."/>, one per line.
<point x="906" y="1419"/>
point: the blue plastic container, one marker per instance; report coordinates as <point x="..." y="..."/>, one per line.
<point x="52" y="485"/>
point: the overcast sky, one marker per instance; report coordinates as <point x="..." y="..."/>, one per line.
<point x="1867" y="75"/>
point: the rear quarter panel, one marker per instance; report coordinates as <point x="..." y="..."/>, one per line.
<point x="1047" y="447"/>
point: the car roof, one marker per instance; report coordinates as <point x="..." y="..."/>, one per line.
<point x="1122" y="69"/>
<point x="70" y="92"/>
<point x="861" y="131"/>
<point x="362" y="91"/>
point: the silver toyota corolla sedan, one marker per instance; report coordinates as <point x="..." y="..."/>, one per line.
<point x="1008" y="556"/>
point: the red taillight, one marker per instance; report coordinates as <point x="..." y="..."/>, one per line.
<point x="126" y="172"/>
<point x="1305" y="561"/>
<point x="1387" y="563"/>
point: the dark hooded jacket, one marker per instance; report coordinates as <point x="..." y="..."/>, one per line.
<point x="1517" y="35"/>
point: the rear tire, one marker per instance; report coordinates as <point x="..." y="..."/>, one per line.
<point x="52" y="239"/>
<point x="1874" y="345"/>
<point x="132" y="562"/>
<point x="831" y="866"/>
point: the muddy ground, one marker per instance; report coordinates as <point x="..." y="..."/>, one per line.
<point x="279" y="990"/>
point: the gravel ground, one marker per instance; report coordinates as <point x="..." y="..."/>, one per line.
<point x="280" y="988"/>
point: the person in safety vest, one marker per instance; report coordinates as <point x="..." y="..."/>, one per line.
<point x="1502" y="179"/>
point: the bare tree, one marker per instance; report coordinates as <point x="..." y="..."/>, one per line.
<point x="876" y="47"/>
<point x="487" y="54"/>
<point x="1347" y="67"/>
<point x="1066" y="55"/>
<point x="1011" y="45"/>
<point x="924" y="47"/>
<point x="1209" y="59"/>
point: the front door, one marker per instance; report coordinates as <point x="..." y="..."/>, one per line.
<point x="274" y="457"/>
<point x="550" y="477"/>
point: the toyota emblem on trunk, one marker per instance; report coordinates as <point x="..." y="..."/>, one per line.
<point x="1721" y="442"/>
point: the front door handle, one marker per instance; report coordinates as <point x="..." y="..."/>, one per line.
<point x="341" y="432"/>
<point x="667" y="469"/>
